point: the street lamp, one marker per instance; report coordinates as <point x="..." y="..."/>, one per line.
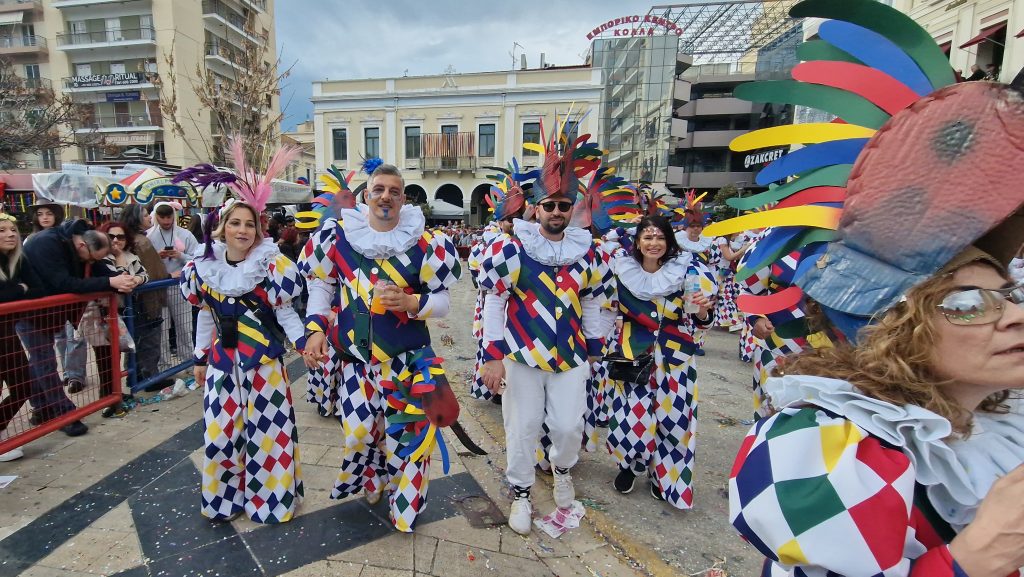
<point x="739" y="184"/>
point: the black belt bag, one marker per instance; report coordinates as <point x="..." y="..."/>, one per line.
<point x="636" y="371"/>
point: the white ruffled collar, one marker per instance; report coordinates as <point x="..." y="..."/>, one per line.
<point x="234" y="281"/>
<point x="702" y="244"/>
<point x="376" y="244"/>
<point x="489" y="236"/>
<point x="570" y="249"/>
<point x="958" y="473"/>
<point x="648" y="285"/>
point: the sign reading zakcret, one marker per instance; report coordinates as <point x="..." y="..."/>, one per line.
<point x="763" y="157"/>
<point x="636" y="25"/>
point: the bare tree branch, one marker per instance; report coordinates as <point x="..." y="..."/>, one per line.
<point x="33" y="119"/>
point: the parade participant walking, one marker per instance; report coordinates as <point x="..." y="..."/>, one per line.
<point x="654" y="407"/>
<point x="245" y="286"/>
<point x="391" y="275"/>
<point x="895" y="452"/>
<point x="508" y="202"/>
<point x="552" y="280"/>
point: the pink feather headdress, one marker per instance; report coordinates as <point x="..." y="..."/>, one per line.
<point x="252" y="188"/>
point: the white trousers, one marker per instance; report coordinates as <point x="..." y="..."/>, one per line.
<point x="532" y="398"/>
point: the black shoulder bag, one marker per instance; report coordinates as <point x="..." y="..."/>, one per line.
<point x="638" y="370"/>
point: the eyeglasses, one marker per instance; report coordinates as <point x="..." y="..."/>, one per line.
<point x="116" y="236"/>
<point x="972" y="307"/>
<point x="563" y="206"/>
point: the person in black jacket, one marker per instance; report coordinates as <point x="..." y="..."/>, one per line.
<point x="63" y="257"/>
<point x="17" y="282"/>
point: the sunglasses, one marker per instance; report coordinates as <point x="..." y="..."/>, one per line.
<point x="563" y="206"/>
<point x="116" y="236"/>
<point x="971" y="307"/>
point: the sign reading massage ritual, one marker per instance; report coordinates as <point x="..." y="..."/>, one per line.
<point x="119" y="79"/>
<point x="635" y="25"/>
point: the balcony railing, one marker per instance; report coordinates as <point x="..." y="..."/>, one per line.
<point x="20" y="5"/>
<point x="226" y="52"/>
<point x="32" y="164"/>
<point x="119" y="120"/>
<point x="29" y="85"/>
<point x="260" y="5"/>
<point x="105" y="36"/>
<point x="448" y="151"/>
<point x="22" y="42"/>
<point x="218" y="8"/>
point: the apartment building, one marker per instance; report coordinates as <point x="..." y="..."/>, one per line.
<point x="111" y="56"/>
<point x="444" y="130"/>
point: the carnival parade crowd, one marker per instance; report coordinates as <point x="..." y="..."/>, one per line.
<point x="881" y="311"/>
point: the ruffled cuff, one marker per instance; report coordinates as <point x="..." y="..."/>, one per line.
<point x="495" y="351"/>
<point x="316" y="324"/>
<point x="595" y="347"/>
<point x="300" y="344"/>
<point x="201" y="360"/>
<point x="706" y="323"/>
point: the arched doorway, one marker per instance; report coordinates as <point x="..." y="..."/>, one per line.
<point x="415" y="194"/>
<point x="479" y="212"/>
<point x="450" y="208"/>
<point x="449" y="193"/>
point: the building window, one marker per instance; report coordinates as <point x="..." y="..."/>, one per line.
<point x="117" y="68"/>
<point x="50" y="159"/>
<point x="531" y="133"/>
<point x="371" y="142"/>
<point x="339" y="137"/>
<point x="486" y="140"/>
<point x="412" y="141"/>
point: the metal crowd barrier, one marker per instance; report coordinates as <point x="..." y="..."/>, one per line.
<point x="35" y="401"/>
<point x="162" y="323"/>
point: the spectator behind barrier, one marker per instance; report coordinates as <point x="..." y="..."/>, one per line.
<point x="176" y="247"/>
<point x="136" y="220"/>
<point x="62" y="257"/>
<point x="17" y="282"/>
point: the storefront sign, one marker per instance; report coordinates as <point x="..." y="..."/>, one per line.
<point x="636" y="25"/>
<point x="123" y="96"/>
<point x="120" y="79"/>
<point x="763" y="157"/>
<point x="130" y="139"/>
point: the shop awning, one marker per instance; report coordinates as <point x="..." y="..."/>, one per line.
<point x="946" y="47"/>
<point x="11" y="18"/>
<point x="1019" y="34"/>
<point x="985" y="35"/>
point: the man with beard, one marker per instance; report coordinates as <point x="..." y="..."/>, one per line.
<point x="542" y="327"/>
<point x="390" y="276"/>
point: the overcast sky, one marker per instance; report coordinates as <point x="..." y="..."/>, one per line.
<point x="381" y="38"/>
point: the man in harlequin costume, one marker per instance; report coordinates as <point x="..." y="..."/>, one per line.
<point x="391" y="275"/>
<point x="543" y="325"/>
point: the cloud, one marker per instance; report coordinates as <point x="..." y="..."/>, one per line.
<point x="386" y="38"/>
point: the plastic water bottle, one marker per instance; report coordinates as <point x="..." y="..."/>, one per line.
<point x="691" y="288"/>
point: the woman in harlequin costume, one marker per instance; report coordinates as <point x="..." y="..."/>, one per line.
<point x="245" y="287"/>
<point x="322" y="381"/>
<point x="653" y="425"/>
<point x="391" y="275"/>
<point x="897" y="452"/>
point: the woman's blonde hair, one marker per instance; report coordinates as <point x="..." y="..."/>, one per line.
<point x="895" y="358"/>
<point x="218" y="232"/>
<point x="13" y="259"/>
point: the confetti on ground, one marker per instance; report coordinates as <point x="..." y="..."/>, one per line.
<point x="448" y="341"/>
<point x="592" y="504"/>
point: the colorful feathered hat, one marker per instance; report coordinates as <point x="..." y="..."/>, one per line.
<point x="565" y="160"/>
<point x="336" y="195"/>
<point x="507" y="196"/>
<point x="878" y="200"/>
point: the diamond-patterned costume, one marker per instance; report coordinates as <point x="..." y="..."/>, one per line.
<point x="653" y="425"/>
<point x="251" y="455"/>
<point x="322" y="382"/>
<point x="477" y="389"/>
<point x="383" y="355"/>
<point x="850" y="505"/>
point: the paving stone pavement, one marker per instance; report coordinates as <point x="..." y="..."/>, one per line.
<point x="124" y="500"/>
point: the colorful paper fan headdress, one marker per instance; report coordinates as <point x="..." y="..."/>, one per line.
<point x="336" y="195"/>
<point x="880" y="199"/>
<point x="693" y="214"/>
<point x="565" y="161"/>
<point x="609" y="201"/>
<point x="507" y="196"/>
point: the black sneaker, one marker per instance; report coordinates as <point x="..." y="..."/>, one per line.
<point x="75" y="386"/>
<point x="625" y="481"/>
<point x="496" y="399"/>
<point x="699" y="352"/>
<point x="159" y="386"/>
<point x="656" y="491"/>
<point x="76" y="429"/>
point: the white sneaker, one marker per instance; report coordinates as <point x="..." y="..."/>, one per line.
<point x="521" y="517"/>
<point x="12" y="455"/>
<point x="564" y="491"/>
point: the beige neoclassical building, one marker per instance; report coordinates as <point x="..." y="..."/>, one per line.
<point x="443" y="130"/>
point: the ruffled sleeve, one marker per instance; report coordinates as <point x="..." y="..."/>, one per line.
<point x="285" y="284"/>
<point x="815" y="494"/>
<point x="439" y="272"/>
<point x="188" y="282"/>
<point x="316" y="265"/>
